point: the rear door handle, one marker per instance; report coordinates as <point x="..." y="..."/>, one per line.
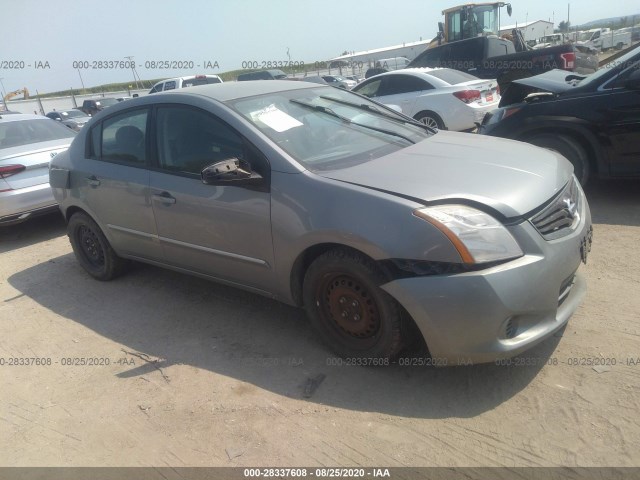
<point x="164" y="197"/>
<point x="93" y="181"/>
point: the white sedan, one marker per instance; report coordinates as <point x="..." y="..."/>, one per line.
<point x="441" y="98"/>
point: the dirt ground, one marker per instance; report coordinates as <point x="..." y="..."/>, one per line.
<point x="204" y="375"/>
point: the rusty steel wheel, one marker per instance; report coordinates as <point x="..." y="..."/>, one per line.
<point x="351" y="307"/>
<point x="345" y="304"/>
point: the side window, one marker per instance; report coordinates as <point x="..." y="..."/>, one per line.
<point x="123" y="138"/>
<point x="370" y="89"/>
<point x="190" y="139"/>
<point x="620" y="80"/>
<point x="454" y="32"/>
<point x="396" y="84"/>
<point x="170" y="85"/>
<point x="157" y="88"/>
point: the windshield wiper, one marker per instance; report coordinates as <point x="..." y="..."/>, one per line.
<point x="328" y="111"/>
<point x="371" y="108"/>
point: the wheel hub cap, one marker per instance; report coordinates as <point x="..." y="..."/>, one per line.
<point x="351" y="307"/>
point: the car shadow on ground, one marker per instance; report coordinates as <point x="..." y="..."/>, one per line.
<point x="35" y="230"/>
<point x="614" y="202"/>
<point x="186" y="320"/>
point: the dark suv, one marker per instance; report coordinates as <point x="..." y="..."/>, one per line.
<point x="594" y="121"/>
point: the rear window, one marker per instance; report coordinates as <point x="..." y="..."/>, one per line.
<point x="194" y="82"/>
<point x="25" y="132"/>
<point x="72" y="114"/>
<point x="452" y="77"/>
<point x="107" y="102"/>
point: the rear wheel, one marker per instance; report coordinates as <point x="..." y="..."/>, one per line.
<point x="430" y="119"/>
<point x="568" y="148"/>
<point x="92" y="249"/>
<point x="345" y="304"/>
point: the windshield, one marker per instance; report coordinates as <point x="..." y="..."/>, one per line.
<point x="487" y="18"/>
<point x="585" y="36"/>
<point x="319" y="130"/>
<point x="25" y="132"/>
<point x="616" y="66"/>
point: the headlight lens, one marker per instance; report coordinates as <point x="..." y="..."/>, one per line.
<point x="478" y="237"/>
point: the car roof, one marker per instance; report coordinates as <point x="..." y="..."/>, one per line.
<point x="416" y="71"/>
<point x="14" y="117"/>
<point x="233" y="90"/>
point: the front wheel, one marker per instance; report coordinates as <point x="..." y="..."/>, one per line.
<point x="92" y="249"/>
<point x="345" y="304"/>
<point x="568" y="148"/>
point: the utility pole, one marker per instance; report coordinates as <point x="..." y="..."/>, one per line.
<point x="81" y="81"/>
<point x="568" y="15"/>
<point x="4" y="102"/>
<point x="133" y="70"/>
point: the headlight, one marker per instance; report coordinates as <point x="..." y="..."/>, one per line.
<point x="478" y="237"/>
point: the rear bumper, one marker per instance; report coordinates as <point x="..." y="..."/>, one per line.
<point x="500" y="312"/>
<point x="21" y="204"/>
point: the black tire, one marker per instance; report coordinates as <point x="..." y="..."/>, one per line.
<point x="92" y="248"/>
<point x="348" y="309"/>
<point x="568" y="148"/>
<point x="430" y="119"/>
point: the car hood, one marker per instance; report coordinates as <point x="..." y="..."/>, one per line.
<point x="509" y="177"/>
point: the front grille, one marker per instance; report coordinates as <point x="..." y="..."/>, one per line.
<point x="561" y="215"/>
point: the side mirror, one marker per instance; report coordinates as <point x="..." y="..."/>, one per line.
<point x="229" y="171"/>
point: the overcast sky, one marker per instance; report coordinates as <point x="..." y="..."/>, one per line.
<point x="59" y="32"/>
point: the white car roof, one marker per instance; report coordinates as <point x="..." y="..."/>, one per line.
<point x="13" y="117"/>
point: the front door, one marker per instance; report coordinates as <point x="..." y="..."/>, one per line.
<point x="221" y="231"/>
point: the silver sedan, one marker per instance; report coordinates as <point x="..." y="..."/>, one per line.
<point x="384" y="230"/>
<point x="27" y="144"/>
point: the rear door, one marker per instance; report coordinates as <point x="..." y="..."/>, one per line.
<point x="402" y="90"/>
<point x="220" y="231"/>
<point x="113" y="180"/>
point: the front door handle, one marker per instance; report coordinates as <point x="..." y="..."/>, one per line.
<point x="93" y="181"/>
<point x="164" y="197"/>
